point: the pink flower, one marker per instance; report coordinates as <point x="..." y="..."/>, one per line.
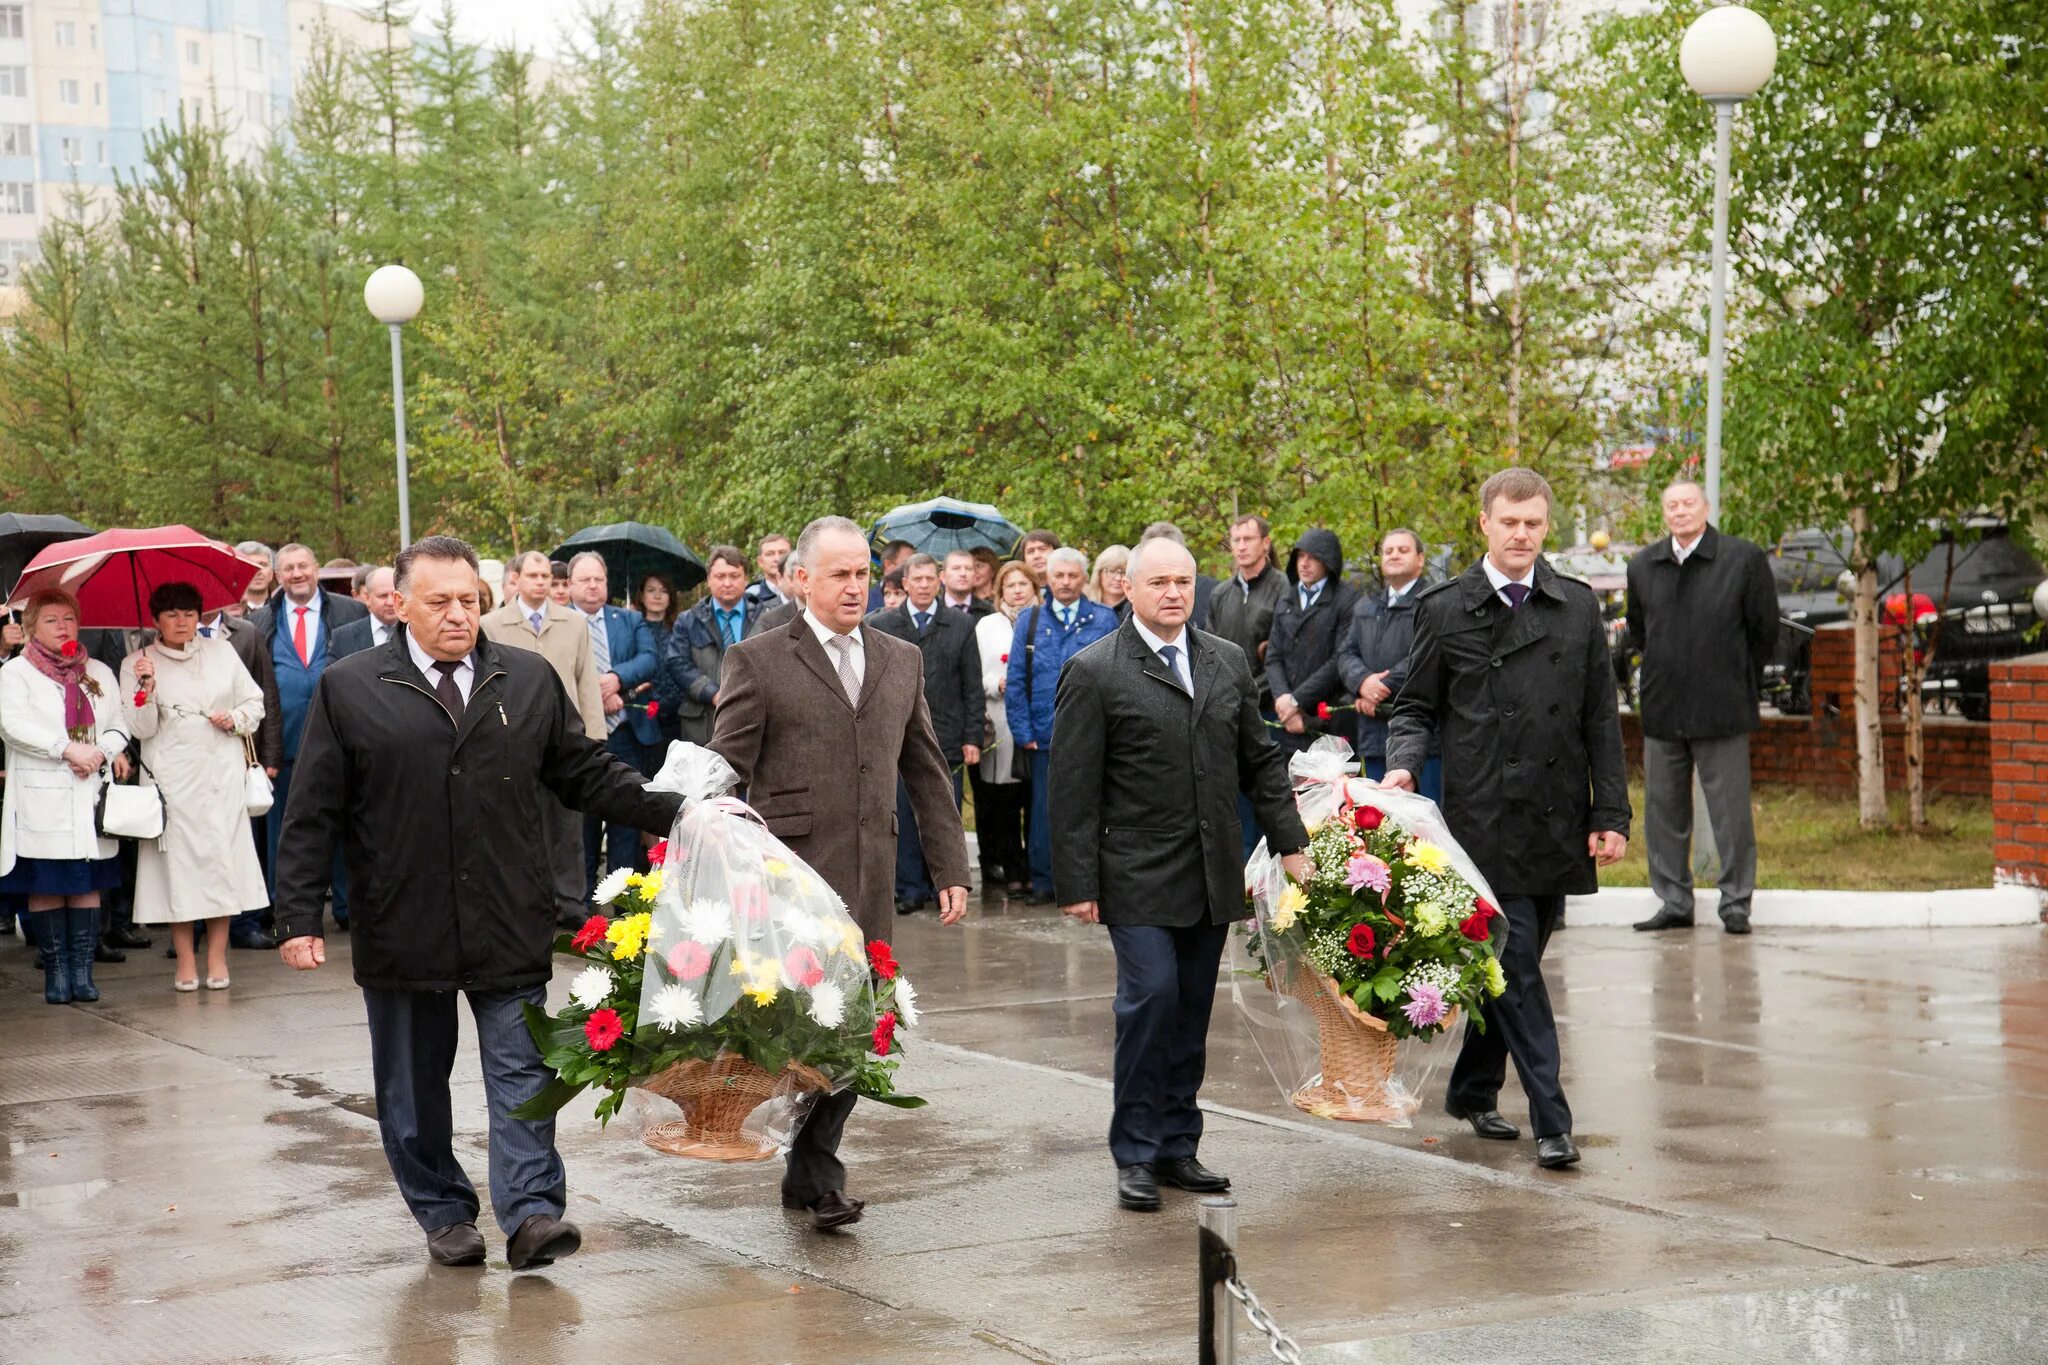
<point x="689" y="960"/>
<point x="1425" y="1007"/>
<point x="801" y="964"/>
<point x="1365" y="870"/>
<point x="751" y="900"/>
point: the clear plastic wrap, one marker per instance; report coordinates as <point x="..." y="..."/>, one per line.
<point x="730" y="982"/>
<point x="1348" y="982"/>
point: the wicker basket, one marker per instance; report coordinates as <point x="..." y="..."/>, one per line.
<point x="1357" y="1059"/>
<point x="716" y="1097"/>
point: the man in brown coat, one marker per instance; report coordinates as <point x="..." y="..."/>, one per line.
<point x="818" y="719"/>
<point x="531" y="620"/>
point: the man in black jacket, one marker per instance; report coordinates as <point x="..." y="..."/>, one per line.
<point x="1301" y="652"/>
<point x="952" y="693"/>
<point x="1158" y="730"/>
<point x="1373" y="657"/>
<point x="1510" y="670"/>
<point x="425" y="763"/>
<point x="1242" y="612"/>
<point x="1703" y="609"/>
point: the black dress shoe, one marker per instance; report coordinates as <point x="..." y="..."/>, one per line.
<point x="257" y="941"/>
<point x="542" y="1240"/>
<point x="1554" y="1152"/>
<point x="1736" y="921"/>
<point x="341" y="926"/>
<point x="905" y="908"/>
<point x="1186" y="1173"/>
<point x="456" y="1244"/>
<point x="1486" y="1122"/>
<point x="1667" y="918"/>
<point x="101" y="952"/>
<point x="1137" y="1188"/>
<point x="832" y="1209"/>
<point x="127" y="936"/>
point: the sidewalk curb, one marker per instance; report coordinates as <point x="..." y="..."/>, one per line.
<point x="1962" y="908"/>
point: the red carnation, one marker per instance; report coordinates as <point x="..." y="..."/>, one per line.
<point x="1360" y="943"/>
<point x="885" y="1034"/>
<point x="882" y="961"/>
<point x="603" y="1030"/>
<point x="689" y="960"/>
<point x="1322" y="710"/>
<point x="1368" y="817"/>
<point x="1006" y="657"/>
<point x="800" y="964"/>
<point x="658" y="855"/>
<point x="69" y="649"/>
<point x="591" y="934"/>
<point x="653" y="709"/>
<point x="141" y="697"/>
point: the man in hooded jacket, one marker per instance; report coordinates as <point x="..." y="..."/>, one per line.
<point x="1301" y="652"/>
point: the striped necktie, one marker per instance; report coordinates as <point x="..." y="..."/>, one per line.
<point x="601" y="656"/>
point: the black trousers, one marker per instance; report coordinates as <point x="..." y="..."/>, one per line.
<point x="1165" y="988"/>
<point x="999" y="811"/>
<point x="812" y="1168"/>
<point x="1518" y="1024"/>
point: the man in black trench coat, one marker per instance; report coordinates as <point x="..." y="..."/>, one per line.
<point x="1510" y="671"/>
<point x="426" y="761"/>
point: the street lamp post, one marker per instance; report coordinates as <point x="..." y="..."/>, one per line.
<point x="394" y="295"/>
<point x="1728" y="54"/>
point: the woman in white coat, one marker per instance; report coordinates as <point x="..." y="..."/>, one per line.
<point x="1000" y="798"/>
<point x="190" y="701"/>
<point x="64" y="731"/>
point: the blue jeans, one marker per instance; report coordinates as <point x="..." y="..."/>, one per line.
<point x="412" y="1051"/>
<point x="1429" y="782"/>
<point x="913" y="878"/>
<point x="619" y="844"/>
<point x="1165" y="986"/>
<point x="1038" y="836"/>
<point x="251" y="921"/>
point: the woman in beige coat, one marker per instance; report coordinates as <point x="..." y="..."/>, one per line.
<point x="190" y="701"/>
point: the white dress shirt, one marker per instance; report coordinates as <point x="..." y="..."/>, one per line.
<point x="430" y="668"/>
<point x="527" y="612"/>
<point x="1179" y="665"/>
<point x="826" y="635"/>
<point x="1501" y="580"/>
<point x="380" y="634"/>
<point x="1682" y="552"/>
<point x="1396" y="594"/>
<point x="312" y="607"/>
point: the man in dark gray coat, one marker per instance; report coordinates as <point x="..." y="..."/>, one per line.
<point x="1510" y="670"/>
<point x="1372" y="658"/>
<point x="1301" y="652"/>
<point x="1703" y="609"/>
<point x="1157" y="729"/>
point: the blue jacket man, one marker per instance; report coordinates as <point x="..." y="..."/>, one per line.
<point x="623" y="651"/>
<point x="687" y="682"/>
<point x="1047" y="635"/>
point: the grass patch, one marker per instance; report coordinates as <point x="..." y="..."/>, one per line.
<point x="1811" y="840"/>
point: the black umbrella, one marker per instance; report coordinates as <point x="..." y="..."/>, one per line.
<point x="22" y="535"/>
<point x="941" y="525"/>
<point x="632" y="550"/>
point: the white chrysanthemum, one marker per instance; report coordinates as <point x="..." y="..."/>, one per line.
<point x="612" y="887"/>
<point x="591" y="986"/>
<point x="708" y="922"/>
<point x="828" y="1004"/>
<point x="674" y="1008"/>
<point x="906" y="1002"/>
<point x="813" y="931"/>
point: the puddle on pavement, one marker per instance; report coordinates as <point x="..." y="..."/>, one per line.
<point x="46" y="1196"/>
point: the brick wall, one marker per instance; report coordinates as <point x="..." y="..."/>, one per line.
<point x="1834" y="668"/>
<point x="2019" y="769"/>
<point x="1819" y="752"/>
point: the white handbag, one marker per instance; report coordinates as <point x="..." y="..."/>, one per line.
<point x="257" y="792"/>
<point x="126" y="812"/>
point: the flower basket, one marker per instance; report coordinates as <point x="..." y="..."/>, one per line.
<point x="716" y="1098"/>
<point x="1358" y="1058"/>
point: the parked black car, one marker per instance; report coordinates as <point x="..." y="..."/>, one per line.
<point x="1987" y="613"/>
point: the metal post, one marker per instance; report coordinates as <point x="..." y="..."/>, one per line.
<point x="1216" y="1341"/>
<point x="398" y="412"/>
<point x="1717" y="316"/>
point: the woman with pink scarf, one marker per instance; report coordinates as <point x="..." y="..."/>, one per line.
<point x="62" y="723"/>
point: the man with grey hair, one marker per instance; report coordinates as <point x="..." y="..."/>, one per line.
<point x="1205" y="584"/>
<point x="258" y="591"/>
<point x="1050" y="633"/>
<point x="1703" y="609"/>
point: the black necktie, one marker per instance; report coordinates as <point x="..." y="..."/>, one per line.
<point x="1518" y="593"/>
<point x="447" y="691"/>
<point x="924" y="618"/>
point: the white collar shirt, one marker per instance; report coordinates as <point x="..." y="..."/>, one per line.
<point x="429" y="667"/>
<point x="312" y="607"/>
<point x="380" y="634"/>
<point x="826" y="635"/>
<point x="1681" y="553"/>
<point x="1155" y="643"/>
<point x="1500" y="580"/>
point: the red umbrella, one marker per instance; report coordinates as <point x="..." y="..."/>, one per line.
<point x="113" y="573"/>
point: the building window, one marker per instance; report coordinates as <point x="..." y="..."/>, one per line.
<point x="156" y="47"/>
<point x="92" y="36"/>
<point x="100" y="151"/>
<point x="17" y="196"/>
<point x="191" y="52"/>
<point x="67" y="92"/>
<point x="13" y="21"/>
<point x="14" y="254"/>
<point x="68" y="151"/>
<point x="252" y="105"/>
<point x="252" y="53"/>
<point x="98" y="94"/>
<point x="159" y="104"/>
<point x="16" y="140"/>
<point x="67" y="33"/>
<point x="13" y="80"/>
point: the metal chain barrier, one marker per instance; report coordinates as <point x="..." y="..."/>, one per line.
<point x="1217" y="1336"/>
<point x="1277" y="1341"/>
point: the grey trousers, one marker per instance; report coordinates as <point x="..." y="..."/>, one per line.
<point x="1723" y="766"/>
<point x="565" y="856"/>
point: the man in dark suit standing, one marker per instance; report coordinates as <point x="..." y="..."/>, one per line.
<point x="1703" y="609"/>
<point x="428" y="761"/>
<point x="688" y="682"/>
<point x="952" y="693"/>
<point x="1158" y="730"/>
<point x="818" y="719"/>
<point x="622" y="652"/>
<point x="1510" y="670"/>
<point x="380" y="595"/>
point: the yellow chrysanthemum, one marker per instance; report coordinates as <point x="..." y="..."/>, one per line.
<point x="850" y="941"/>
<point x="635" y="878"/>
<point x="628" y="936"/>
<point x="1288" y="908"/>
<point x="650" y="885"/>
<point x="774" y="867"/>
<point x="1496" y="979"/>
<point x="762" y="995"/>
<point x="1430" y="920"/>
<point x="1427" y="856"/>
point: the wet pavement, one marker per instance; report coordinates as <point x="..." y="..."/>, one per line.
<point x="1804" y="1145"/>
